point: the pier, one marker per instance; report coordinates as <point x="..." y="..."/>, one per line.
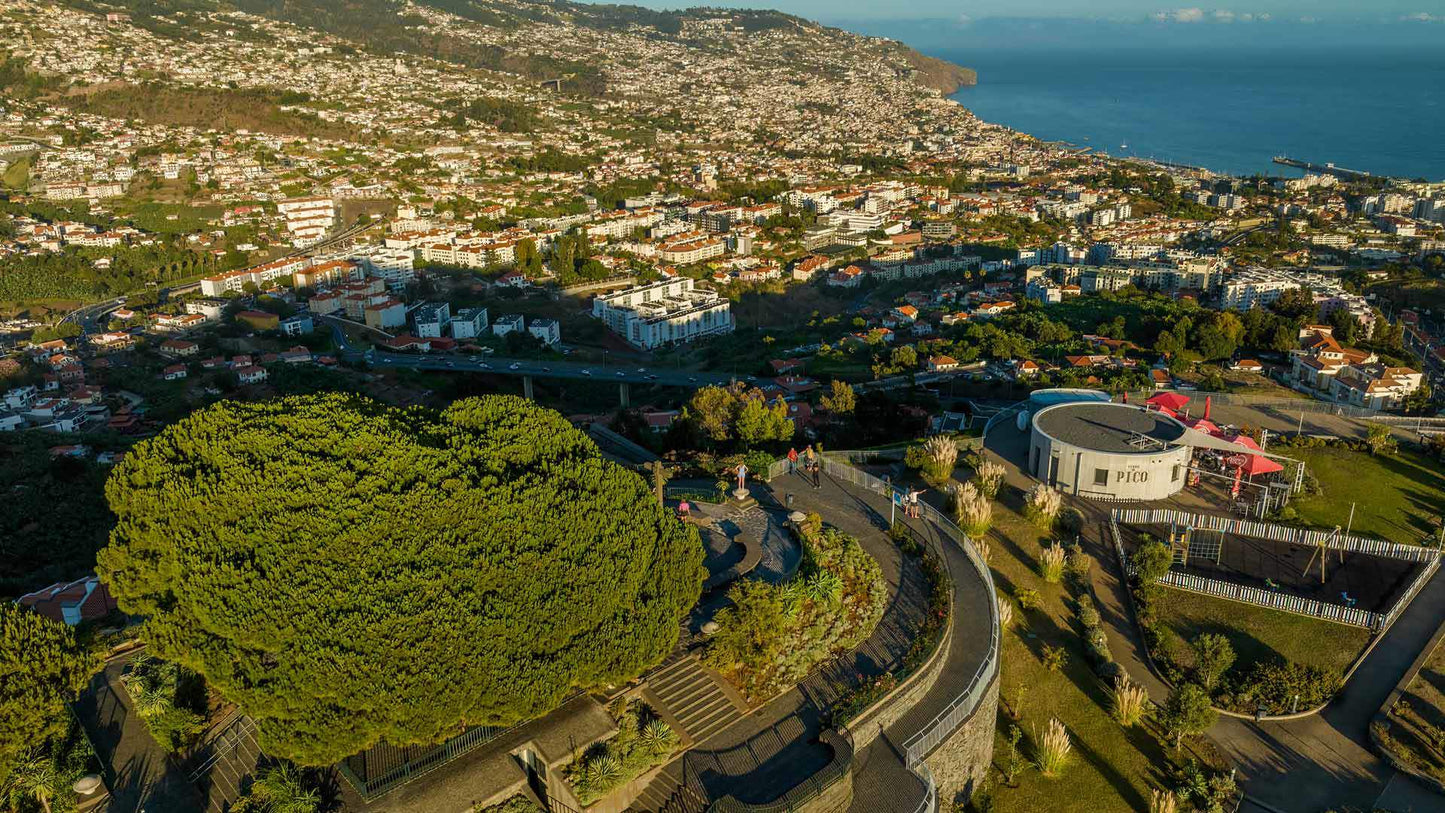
<point x="1327" y="169"/>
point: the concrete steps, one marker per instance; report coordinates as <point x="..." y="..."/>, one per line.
<point x="692" y="699"/>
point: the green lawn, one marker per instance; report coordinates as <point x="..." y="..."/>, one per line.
<point x="1112" y="769"/>
<point x="17" y="175"/>
<point x="1395" y="496"/>
<point x="1258" y="634"/>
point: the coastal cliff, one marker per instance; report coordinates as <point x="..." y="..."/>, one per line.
<point x="938" y="74"/>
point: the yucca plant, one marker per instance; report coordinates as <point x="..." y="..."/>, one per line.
<point x="1130" y="701"/>
<point x="989" y="478"/>
<point x="603" y="770"/>
<point x="1054" y="748"/>
<point x="1051" y="563"/>
<point x="1055" y="658"/>
<point x="824" y="587"/>
<point x="656" y="737"/>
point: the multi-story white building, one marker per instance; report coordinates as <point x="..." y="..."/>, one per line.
<point x="308" y="219"/>
<point x="509" y="323"/>
<point x="546" y="329"/>
<point x="385" y="314"/>
<point x="431" y="319"/>
<point x="692" y="251"/>
<point x="468" y="323"/>
<point x="395" y="267"/>
<point x="257" y="275"/>
<point x="666" y="312"/>
<point x="1254" y="289"/>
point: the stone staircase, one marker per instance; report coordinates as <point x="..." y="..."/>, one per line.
<point x="692" y="699"/>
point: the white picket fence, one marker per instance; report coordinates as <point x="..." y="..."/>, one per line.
<point x="1275" y="533"/>
<point x="1278" y="601"/>
<point x="1258" y="597"/>
<point x="1377" y="622"/>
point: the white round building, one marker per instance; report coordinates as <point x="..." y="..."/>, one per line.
<point x="1108" y="451"/>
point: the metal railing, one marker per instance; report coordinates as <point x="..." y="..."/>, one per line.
<point x="1404" y="601"/>
<point x="929" y="804"/>
<point x="373" y="787"/>
<point x="810" y="789"/>
<point x="1006" y="413"/>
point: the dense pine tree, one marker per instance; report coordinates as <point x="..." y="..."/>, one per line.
<point x="348" y="572"/>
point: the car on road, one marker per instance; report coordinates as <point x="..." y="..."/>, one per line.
<point x="641" y="369"/>
<point x="652" y="377"/>
<point x="587" y="372"/>
<point x="621" y="374"/>
<point x="546" y="369"/>
<point x="514" y="366"/>
<point x="485" y="366"/>
<point x="692" y="379"/>
<point x="451" y="364"/>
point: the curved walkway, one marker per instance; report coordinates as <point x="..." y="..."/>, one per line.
<point x="1295" y="766"/>
<point x="777" y="746"/>
<point x="882" y="780"/>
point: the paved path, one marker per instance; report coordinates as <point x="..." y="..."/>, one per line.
<point x="141" y="776"/>
<point x="763" y="755"/>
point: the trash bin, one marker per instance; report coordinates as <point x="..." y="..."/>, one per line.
<point x="789" y="501"/>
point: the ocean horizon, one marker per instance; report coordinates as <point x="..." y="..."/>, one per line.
<point x="1229" y="110"/>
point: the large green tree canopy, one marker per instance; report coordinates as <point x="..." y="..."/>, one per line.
<point x="41" y="669"/>
<point x="349" y="572"/>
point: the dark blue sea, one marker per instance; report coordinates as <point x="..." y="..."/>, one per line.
<point x="1230" y="110"/>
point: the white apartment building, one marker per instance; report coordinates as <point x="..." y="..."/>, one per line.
<point x="692" y="251"/>
<point x="395" y="267"/>
<point x="308" y="219"/>
<point x="431" y="319"/>
<point x="257" y="275"/>
<point x="660" y="313"/>
<point x="468" y="323"/>
<point x="508" y="323"/>
<point x="1253" y="289"/>
<point x="546" y="329"/>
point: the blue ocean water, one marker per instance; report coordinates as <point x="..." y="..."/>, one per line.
<point x="1230" y="110"/>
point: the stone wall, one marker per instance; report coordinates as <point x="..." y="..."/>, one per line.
<point x="866" y="727"/>
<point x="961" y="762"/>
<point x="838" y="796"/>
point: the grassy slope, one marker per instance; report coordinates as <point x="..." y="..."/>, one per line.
<point x="1395" y="496"/>
<point x="220" y="108"/>
<point x="1259" y="634"/>
<point x="1411" y="728"/>
<point x="1113" y="769"/>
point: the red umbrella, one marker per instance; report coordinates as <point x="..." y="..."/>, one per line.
<point x="1172" y="400"/>
<point x="1201" y="425"/>
<point x="1261" y="465"/>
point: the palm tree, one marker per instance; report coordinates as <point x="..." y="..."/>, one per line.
<point x="282" y="789"/>
<point x="33" y="777"/>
